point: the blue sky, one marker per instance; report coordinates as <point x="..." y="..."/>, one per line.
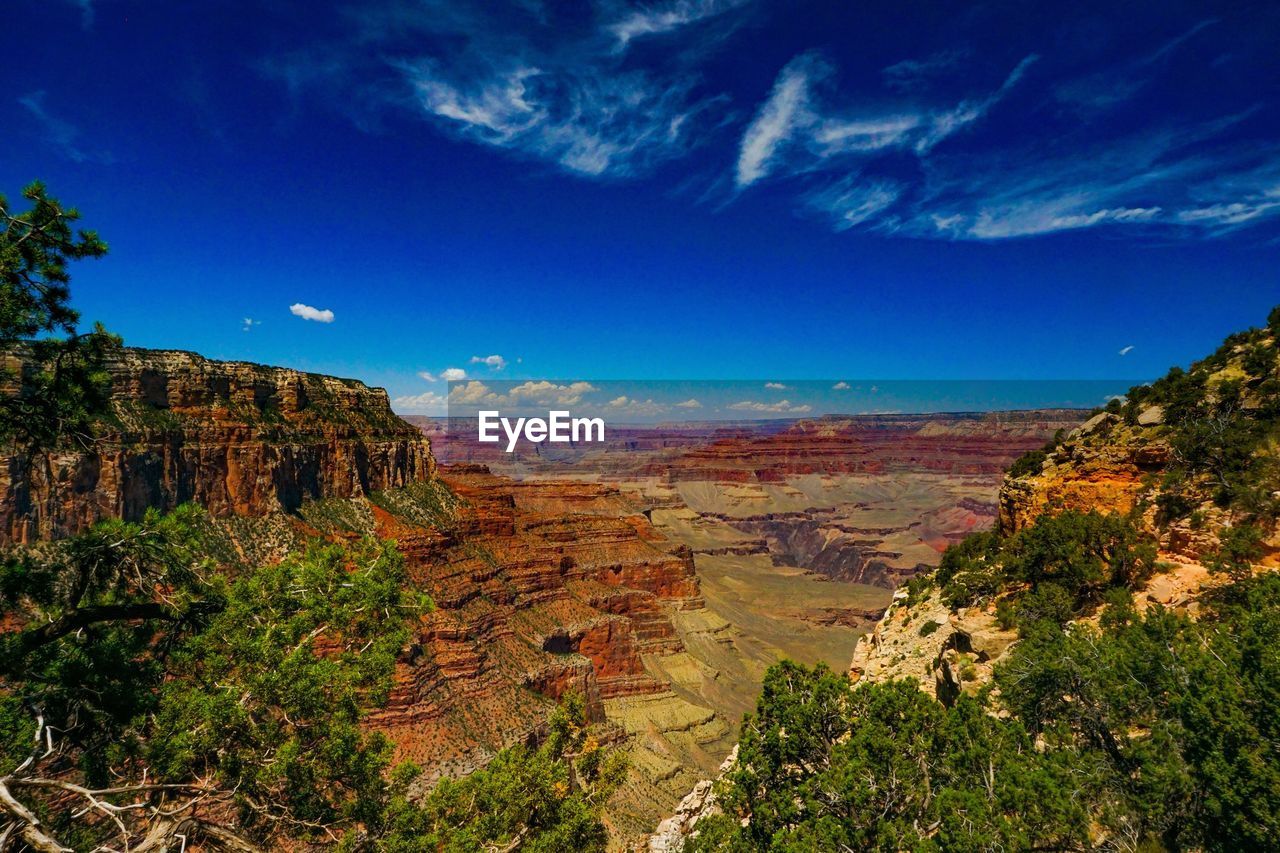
<point x="675" y="189"/>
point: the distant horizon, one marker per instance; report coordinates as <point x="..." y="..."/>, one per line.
<point x="651" y="402"/>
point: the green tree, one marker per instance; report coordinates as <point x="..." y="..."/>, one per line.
<point x="825" y="765"/>
<point x="59" y="384"/>
<point x="543" y="800"/>
<point x="147" y="678"/>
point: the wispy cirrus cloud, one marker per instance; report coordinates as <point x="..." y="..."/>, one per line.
<point x="913" y="75"/>
<point x="664" y="18"/>
<point x="885" y="169"/>
<point x="1172" y="178"/>
<point x="797" y="129"/>
<point x="62" y="135"/>
<point x="523" y="79"/>
<point x="1095" y="93"/>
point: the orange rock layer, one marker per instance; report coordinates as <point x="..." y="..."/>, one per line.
<point x="540" y="588"/>
<point x="236" y="438"/>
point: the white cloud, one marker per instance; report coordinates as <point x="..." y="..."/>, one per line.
<point x="1126" y="350"/>
<point x="629" y="406"/>
<point x="529" y="393"/>
<point x="852" y="201"/>
<point x="842" y="136"/>
<point x="474" y="393"/>
<point x="1182" y="177"/>
<point x="494" y="362"/>
<point x="1103" y="90"/>
<point x="549" y="393"/>
<point x="521" y="79"/>
<point x="840" y="386"/>
<point x="780" y="407"/>
<point x="426" y="403"/>
<point x="945" y="123"/>
<point x="776" y="386"/>
<point x="1044" y="216"/>
<point x="657" y="20"/>
<point x="911" y="75"/>
<point x="248" y="323"/>
<point x="776" y="120"/>
<point x="449" y="374"/>
<point x="691" y="403"/>
<point x="793" y="117"/>
<point x="306" y="312"/>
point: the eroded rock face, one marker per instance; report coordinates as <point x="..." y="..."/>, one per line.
<point x="236" y="438"/>
<point x="540" y="589"/>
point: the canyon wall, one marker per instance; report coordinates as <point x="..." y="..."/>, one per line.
<point x="234" y="437"/>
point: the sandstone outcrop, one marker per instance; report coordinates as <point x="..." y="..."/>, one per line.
<point x="234" y="437"/>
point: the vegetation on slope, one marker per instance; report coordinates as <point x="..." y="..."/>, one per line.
<point x="1133" y="731"/>
<point x="1155" y="733"/>
<point x="152" y="697"/>
<point x="1059" y="568"/>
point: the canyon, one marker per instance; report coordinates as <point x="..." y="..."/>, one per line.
<point x="658" y="577"/>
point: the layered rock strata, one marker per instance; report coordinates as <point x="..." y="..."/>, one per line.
<point x="236" y="438"/>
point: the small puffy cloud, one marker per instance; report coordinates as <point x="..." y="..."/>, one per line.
<point x="474" y="393"/>
<point x="691" y="403"/>
<point x="548" y="393"/>
<point x="840" y="386"/>
<point x="626" y="405"/>
<point x="426" y="403"/>
<point x="306" y="312"/>
<point x="449" y="374"/>
<point x="783" y="407"/>
<point x="775" y="386"/>
<point x="248" y="323"/>
<point x="1126" y="350"/>
<point x="530" y="393"/>
<point x="494" y="362"/>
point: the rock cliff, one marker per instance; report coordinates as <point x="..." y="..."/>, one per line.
<point x="234" y="437"/>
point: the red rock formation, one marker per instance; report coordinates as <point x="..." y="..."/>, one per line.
<point x="540" y="588"/>
<point x="236" y="438"/>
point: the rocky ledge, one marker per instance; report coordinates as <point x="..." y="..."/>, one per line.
<point x="235" y="437"/>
